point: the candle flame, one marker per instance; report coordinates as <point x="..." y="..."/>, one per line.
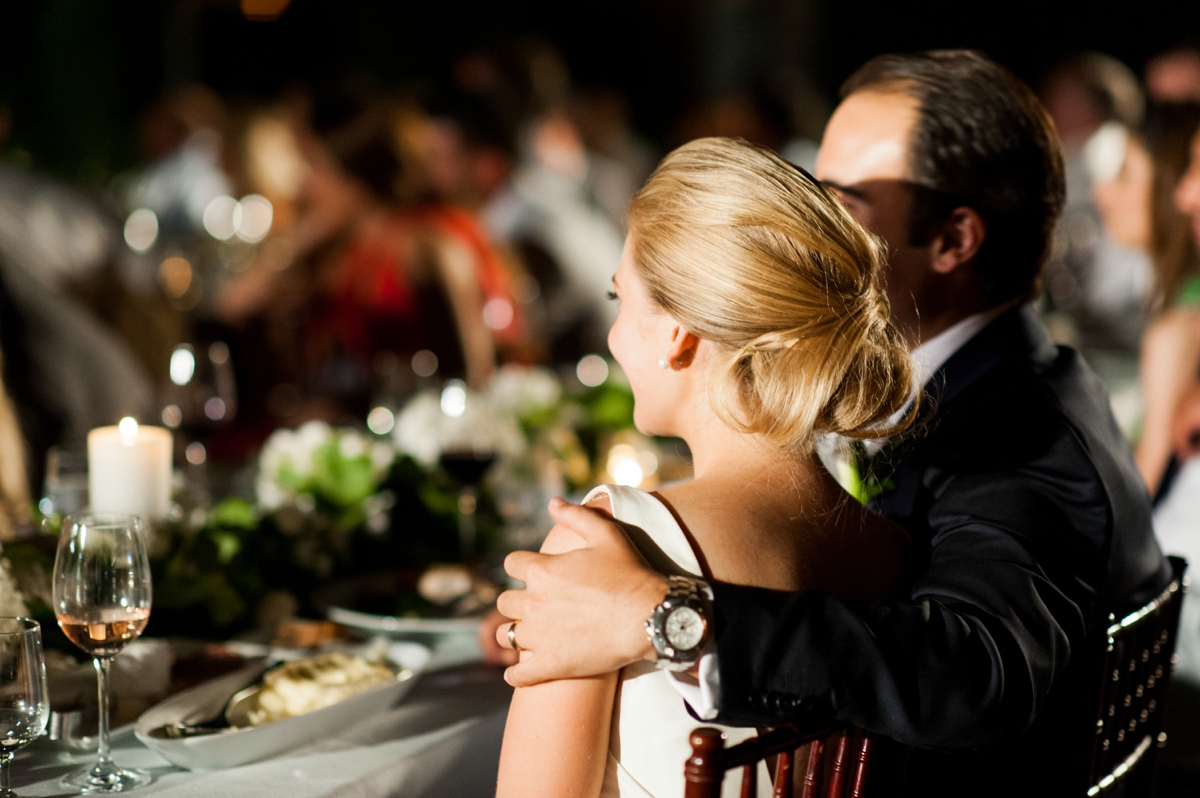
<point x="128" y="429"/>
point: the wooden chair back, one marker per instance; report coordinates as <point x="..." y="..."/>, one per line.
<point x="1134" y="675"/>
<point x="846" y="776"/>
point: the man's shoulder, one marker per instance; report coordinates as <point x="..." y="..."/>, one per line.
<point x="1032" y="447"/>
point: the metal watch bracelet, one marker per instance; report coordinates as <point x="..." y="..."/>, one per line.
<point x="682" y="591"/>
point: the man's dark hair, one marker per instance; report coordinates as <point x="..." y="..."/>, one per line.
<point x="983" y="141"/>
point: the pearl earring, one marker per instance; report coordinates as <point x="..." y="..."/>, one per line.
<point x="662" y="363"/>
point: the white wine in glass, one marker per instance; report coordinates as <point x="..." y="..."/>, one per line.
<point x="102" y="601"/>
<point x="24" y="700"/>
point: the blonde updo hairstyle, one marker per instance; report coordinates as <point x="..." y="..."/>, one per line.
<point x="748" y="252"/>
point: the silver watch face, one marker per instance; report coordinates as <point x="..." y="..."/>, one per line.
<point x="684" y="628"/>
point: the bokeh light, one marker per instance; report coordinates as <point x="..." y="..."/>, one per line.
<point x="141" y="230"/>
<point x="381" y="420"/>
<point x="214" y="408"/>
<point x="175" y="274"/>
<point x="628" y="472"/>
<point x="222" y="217"/>
<point x="592" y="370"/>
<point x="195" y="453"/>
<point x="454" y="398"/>
<point x="172" y="416"/>
<point x="257" y="215"/>
<point x="218" y="353"/>
<point x="424" y="363"/>
<point x="128" y="427"/>
<point x="498" y="313"/>
<point x="183" y="365"/>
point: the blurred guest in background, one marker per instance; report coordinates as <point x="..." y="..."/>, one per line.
<point x="182" y="137"/>
<point x="14" y="487"/>
<point x="561" y="206"/>
<point x="1174" y="75"/>
<point x="456" y="162"/>
<point x="66" y="370"/>
<point x="551" y="214"/>
<point x="602" y="116"/>
<point x="1138" y="209"/>
<point x="372" y="273"/>
<point x="1185" y="331"/>
<point x="1095" y="286"/>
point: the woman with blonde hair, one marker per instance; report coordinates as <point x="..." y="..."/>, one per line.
<point x="751" y="323"/>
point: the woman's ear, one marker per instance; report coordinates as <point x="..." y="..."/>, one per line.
<point x="682" y="351"/>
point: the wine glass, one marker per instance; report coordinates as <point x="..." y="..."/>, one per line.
<point x="102" y="602"/>
<point x="24" y="702"/>
<point x="467" y="468"/>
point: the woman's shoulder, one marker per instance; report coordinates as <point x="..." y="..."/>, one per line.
<point x="764" y="532"/>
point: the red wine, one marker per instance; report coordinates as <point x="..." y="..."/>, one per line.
<point x="468" y="467"/>
<point x="102" y="633"/>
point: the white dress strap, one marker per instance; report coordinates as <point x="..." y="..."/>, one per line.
<point x="648" y="743"/>
<point x="652" y="528"/>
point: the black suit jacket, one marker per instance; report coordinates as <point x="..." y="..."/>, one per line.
<point x="1030" y="525"/>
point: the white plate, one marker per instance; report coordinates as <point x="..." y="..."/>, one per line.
<point x="386" y="624"/>
<point x="241" y="746"/>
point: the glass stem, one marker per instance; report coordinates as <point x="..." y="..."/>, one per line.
<point x="467" y="533"/>
<point x="5" y="759"/>
<point x="103" y="757"/>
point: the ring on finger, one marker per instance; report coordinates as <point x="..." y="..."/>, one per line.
<point x="512" y="636"/>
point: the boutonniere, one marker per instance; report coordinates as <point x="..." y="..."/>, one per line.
<point x="859" y="476"/>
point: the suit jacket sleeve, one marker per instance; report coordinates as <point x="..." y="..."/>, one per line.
<point x="965" y="659"/>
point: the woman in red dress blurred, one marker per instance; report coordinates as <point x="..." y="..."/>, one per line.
<point x="365" y="268"/>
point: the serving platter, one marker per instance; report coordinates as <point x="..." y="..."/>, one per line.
<point x="368" y="603"/>
<point x="231" y="747"/>
<point x="388" y="624"/>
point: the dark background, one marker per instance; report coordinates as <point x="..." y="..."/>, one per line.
<point x="74" y="74"/>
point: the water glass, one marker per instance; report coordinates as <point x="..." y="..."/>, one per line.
<point x="24" y="700"/>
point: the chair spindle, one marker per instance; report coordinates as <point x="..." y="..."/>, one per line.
<point x="866" y="749"/>
<point x="837" y="775"/>
<point x="783" y="775"/>
<point x="814" y="770"/>
<point x="750" y="780"/>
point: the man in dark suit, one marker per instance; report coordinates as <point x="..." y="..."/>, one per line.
<point x="1029" y="521"/>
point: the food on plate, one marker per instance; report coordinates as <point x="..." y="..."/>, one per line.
<point x="306" y="685"/>
<point x="455" y="587"/>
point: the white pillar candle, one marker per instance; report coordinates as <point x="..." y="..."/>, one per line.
<point x="129" y="470"/>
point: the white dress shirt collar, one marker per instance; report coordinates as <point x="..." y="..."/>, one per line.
<point x="931" y="355"/>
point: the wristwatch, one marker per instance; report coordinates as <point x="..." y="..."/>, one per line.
<point x="679" y="626"/>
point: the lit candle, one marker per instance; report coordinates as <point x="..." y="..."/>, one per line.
<point x="129" y="470"/>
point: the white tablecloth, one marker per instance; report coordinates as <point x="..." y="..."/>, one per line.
<point x="442" y="740"/>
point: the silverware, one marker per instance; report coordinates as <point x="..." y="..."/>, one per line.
<point x="213" y="722"/>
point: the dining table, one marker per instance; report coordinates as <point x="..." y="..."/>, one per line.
<point x="441" y="739"/>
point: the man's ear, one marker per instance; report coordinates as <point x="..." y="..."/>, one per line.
<point x="959" y="239"/>
<point x="682" y="351"/>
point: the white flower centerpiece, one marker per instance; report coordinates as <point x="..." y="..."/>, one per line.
<point x="320" y="484"/>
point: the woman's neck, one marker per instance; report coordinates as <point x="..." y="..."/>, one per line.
<point x="720" y="452"/>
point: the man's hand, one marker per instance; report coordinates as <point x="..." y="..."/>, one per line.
<point x="1185" y="432"/>
<point x="582" y="612"/>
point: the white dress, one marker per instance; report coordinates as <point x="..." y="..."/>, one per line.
<point x="648" y="745"/>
